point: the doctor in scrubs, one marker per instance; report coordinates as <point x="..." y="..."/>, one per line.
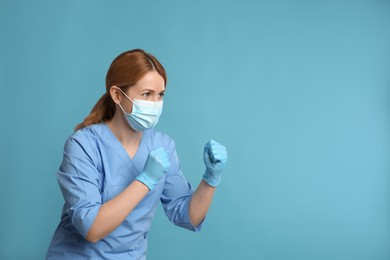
<point x="116" y="168"/>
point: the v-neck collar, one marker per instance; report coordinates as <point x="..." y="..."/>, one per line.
<point x="138" y="158"/>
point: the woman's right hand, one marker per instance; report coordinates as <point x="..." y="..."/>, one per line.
<point x="155" y="167"/>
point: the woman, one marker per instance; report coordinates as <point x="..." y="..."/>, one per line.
<point x="117" y="167"/>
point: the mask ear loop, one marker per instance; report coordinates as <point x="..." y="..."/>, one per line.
<point x="123" y="109"/>
<point x="126" y="96"/>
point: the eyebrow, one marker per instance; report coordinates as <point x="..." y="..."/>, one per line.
<point x="151" y="90"/>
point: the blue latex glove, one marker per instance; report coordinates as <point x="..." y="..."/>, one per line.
<point x="215" y="158"/>
<point x="155" y="167"/>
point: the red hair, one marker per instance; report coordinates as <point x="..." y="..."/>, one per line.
<point x="125" y="71"/>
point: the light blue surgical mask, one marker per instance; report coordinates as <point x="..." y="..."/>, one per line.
<point x="145" y="114"/>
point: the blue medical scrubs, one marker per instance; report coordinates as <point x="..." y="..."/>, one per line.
<point x="95" y="168"/>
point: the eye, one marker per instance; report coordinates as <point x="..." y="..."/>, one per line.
<point x="146" y="94"/>
<point x="162" y="94"/>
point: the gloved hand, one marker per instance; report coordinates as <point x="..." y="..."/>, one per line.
<point x="155" y="167"/>
<point x="215" y="158"/>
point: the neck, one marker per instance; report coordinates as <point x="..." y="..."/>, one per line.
<point x="123" y="131"/>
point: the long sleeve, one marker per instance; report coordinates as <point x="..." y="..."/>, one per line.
<point x="78" y="178"/>
<point x="177" y="194"/>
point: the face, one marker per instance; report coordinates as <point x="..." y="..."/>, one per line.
<point x="150" y="87"/>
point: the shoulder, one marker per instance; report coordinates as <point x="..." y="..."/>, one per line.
<point x="83" y="141"/>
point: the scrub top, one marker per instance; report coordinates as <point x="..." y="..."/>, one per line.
<point x="95" y="168"/>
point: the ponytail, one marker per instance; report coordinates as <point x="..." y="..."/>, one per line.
<point x="104" y="110"/>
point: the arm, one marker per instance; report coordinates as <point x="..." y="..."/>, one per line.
<point x="80" y="185"/>
<point x="215" y="158"/>
<point x="112" y="213"/>
<point x="183" y="206"/>
<point x="200" y="202"/>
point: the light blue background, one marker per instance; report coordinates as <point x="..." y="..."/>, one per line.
<point x="298" y="91"/>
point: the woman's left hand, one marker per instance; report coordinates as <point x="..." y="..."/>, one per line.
<point x="215" y="159"/>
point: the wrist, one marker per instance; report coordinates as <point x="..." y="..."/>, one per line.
<point x="212" y="178"/>
<point x="146" y="180"/>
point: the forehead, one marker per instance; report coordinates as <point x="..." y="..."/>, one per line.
<point x="152" y="80"/>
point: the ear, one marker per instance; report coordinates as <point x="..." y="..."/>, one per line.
<point x="116" y="94"/>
